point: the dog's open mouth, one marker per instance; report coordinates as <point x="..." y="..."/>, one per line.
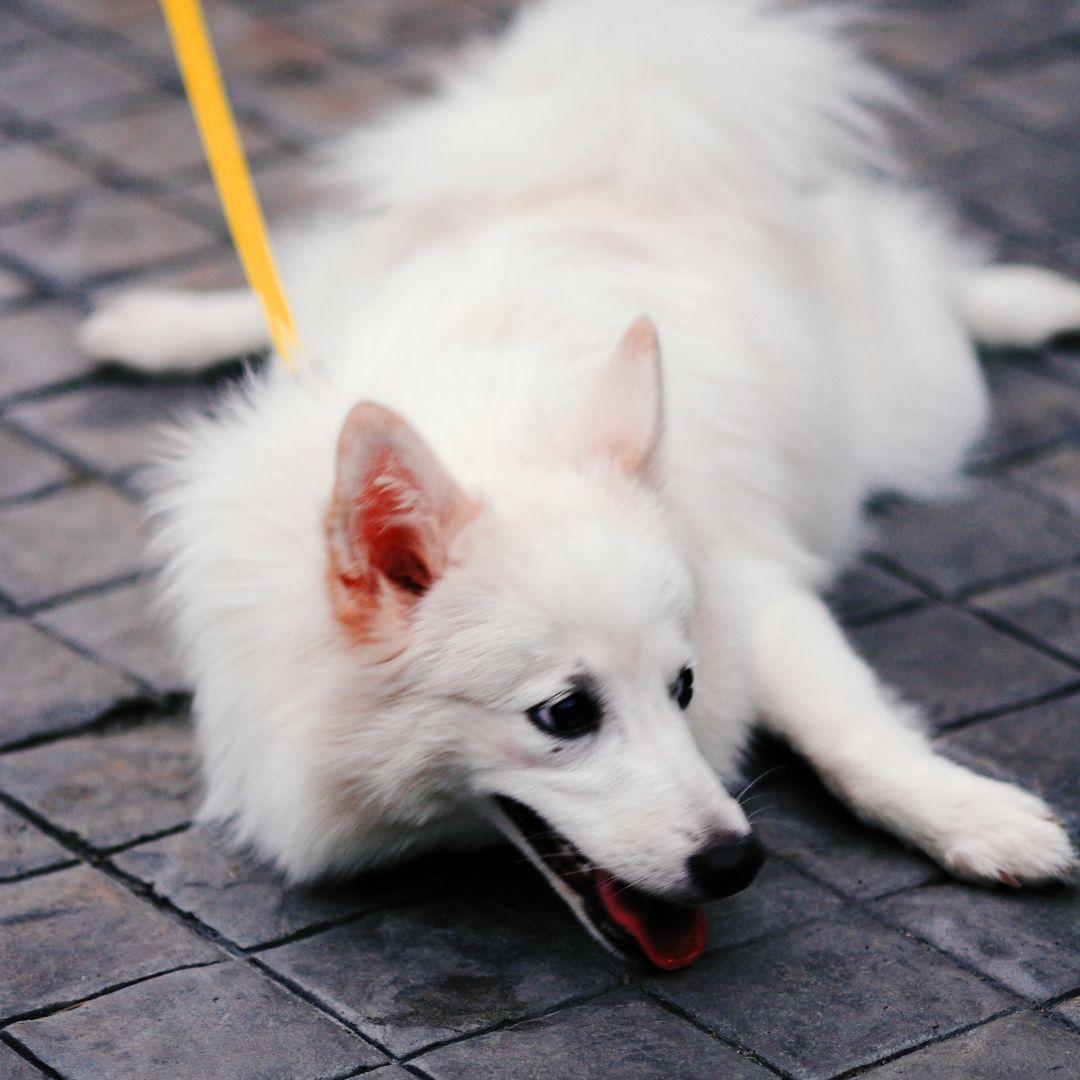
<point x="622" y="918"/>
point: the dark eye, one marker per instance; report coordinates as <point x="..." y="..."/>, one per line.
<point x="682" y="689"/>
<point x="577" y="713"/>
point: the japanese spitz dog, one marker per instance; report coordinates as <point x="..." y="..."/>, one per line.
<point x="611" y="340"/>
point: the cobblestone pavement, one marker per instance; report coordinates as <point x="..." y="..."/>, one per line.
<point x="135" y="945"/>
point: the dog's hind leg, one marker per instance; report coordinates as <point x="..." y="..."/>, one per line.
<point x="1018" y="305"/>
<point x="812" y="688"/>
<point x="171" y="330"/>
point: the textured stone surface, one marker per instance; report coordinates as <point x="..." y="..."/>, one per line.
<point x="108" y="788"/>
<point x="1047" y="608"/>
<point x="44" y="82"/>
<point x="73" y="933"/>
<point x="45" y="686"/>
<point x="1029" y="410"/>
<point x="158" y="139"/>
<point x="1069" y="1011"/>
<point x="81" y="536"/>
<point x="32" y="174"/>
<point x="622" y="1035"/>
<point x="222" y="1020"/>
<point x="420" y="975"/>
<point x="991" y="534"/>
<point x="14" y="1067"/>
<point x="955" y="666"/>
<point x="1029" y="941"/>
<point x="115" y="428"/>
<point x="103" y="232"/>
<point x="831" y="995"/>
<point x="1012" y="1048"/>
<point x="866" y="591"/>
<point x="802" y="822"/>
<point x="1039" y="747"/>
<point x="199" y="872"/>
<point x="37" y="347"/>
<point x="123" y="628"/>
<point x="24" y="847"/>
<point x="25" y="468"/>
<point x="781" y="897"/>
<point x="1055" y="476"/>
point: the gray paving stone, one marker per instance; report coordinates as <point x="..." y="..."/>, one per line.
<point x="102" y="232"/>
<point x="780" y="897"/>
<point x="1063" y="363"/>
<point x="231" y="891"/>
<point x="124" y="628"/>
<point x="43" y="82"/>
<point x="24" y="468"/>
<point x="114" y="428"/>
<point x="623" y="1035"/>
<point x="830" y="996"/>
<point x="865" y="591"/>
<point x="937" y="40"/>
<point x="1028" y="940"/>
<point x="45" y="686"/>
<point x="32" y="173"/>
<point x="109" y="788"/>
<point x="1048" y="608"/>
<point x="81" y="536"/>
<point x="1030" y="410"/>
<point x="1070" y="1011"/>
<point x="1035" y="96"/>
<point x="1055" y="475"/>
<point x="74" y="933"/>
<point x="17" y="33"/>
<point x="222" y="1020"/>
<point x="803" y="823"/>
<point x="1039" y="747"/>
<point x="954" y="666"/>
<point x="24" y="847"/>
<point x="419" y="975"/>
<point x="158" y="139"/>
<point x="1015" y="1047"/>
<point x="14" y="1067"/>
<point x="1027" y="190"/>
<point x="991" y="534"/>
<point x="12" y="286"/>
<point x="37" y="347"/>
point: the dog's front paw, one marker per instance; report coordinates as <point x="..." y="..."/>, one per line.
<point x="990" y="831"/>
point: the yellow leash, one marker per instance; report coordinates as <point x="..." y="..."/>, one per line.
<point x="221" y="141"/>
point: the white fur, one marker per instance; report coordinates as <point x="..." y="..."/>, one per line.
<point x="699" y="162"/>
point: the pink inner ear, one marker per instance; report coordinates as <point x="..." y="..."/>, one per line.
<point x="395" y="546"/>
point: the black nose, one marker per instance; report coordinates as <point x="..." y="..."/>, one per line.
<point x="726" y="866"/>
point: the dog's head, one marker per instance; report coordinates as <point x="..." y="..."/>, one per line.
<point x="542" y="650"/>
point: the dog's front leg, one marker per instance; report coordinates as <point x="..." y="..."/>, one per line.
<point x="869" y="748"/>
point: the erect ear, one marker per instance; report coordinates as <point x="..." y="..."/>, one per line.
<point x="623" y="416"/>
<point x="394" y="512"/>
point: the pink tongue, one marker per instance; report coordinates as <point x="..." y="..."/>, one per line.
<point x="670" y="935"/>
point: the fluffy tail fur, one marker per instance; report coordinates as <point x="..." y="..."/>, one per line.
<point x="171" y="330"/>
<point x="1021" y="306"/>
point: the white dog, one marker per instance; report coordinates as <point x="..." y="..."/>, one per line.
<point x="490" y="559"/>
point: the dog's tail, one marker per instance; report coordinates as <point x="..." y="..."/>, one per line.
<point x="1020" y="306"/>
<point x="170" y="330"/>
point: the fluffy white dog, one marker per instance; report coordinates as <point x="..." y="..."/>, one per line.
<point x="611" y="343"/>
